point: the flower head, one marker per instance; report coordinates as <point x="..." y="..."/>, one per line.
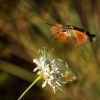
<point x="50" y="70"/>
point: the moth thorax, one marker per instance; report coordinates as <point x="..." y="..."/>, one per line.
<point x="67" y="33"/>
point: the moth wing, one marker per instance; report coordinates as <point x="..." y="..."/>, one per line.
<point x="80" y="37"/>
<point x="56" y="31"/>
<point x="62" y="37"/>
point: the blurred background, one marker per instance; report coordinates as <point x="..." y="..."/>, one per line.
<point x="23" y="32"/>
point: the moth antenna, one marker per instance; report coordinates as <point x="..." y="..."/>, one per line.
<point x="52" y="25"/>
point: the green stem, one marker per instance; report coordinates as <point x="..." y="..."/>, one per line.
<point x="38" y="78"/>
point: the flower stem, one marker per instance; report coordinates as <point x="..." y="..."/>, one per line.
<point x="37" y="79"/>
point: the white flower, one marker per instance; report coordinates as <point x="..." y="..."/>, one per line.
<point x="50" y="70"/>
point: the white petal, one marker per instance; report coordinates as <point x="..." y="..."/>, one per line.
<point x="39" y="72"/>
<point x="58" y="83"/>
<point x="35" y="60"/>
<point x="35" y="69"/>
<point x="44" y="84"/>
